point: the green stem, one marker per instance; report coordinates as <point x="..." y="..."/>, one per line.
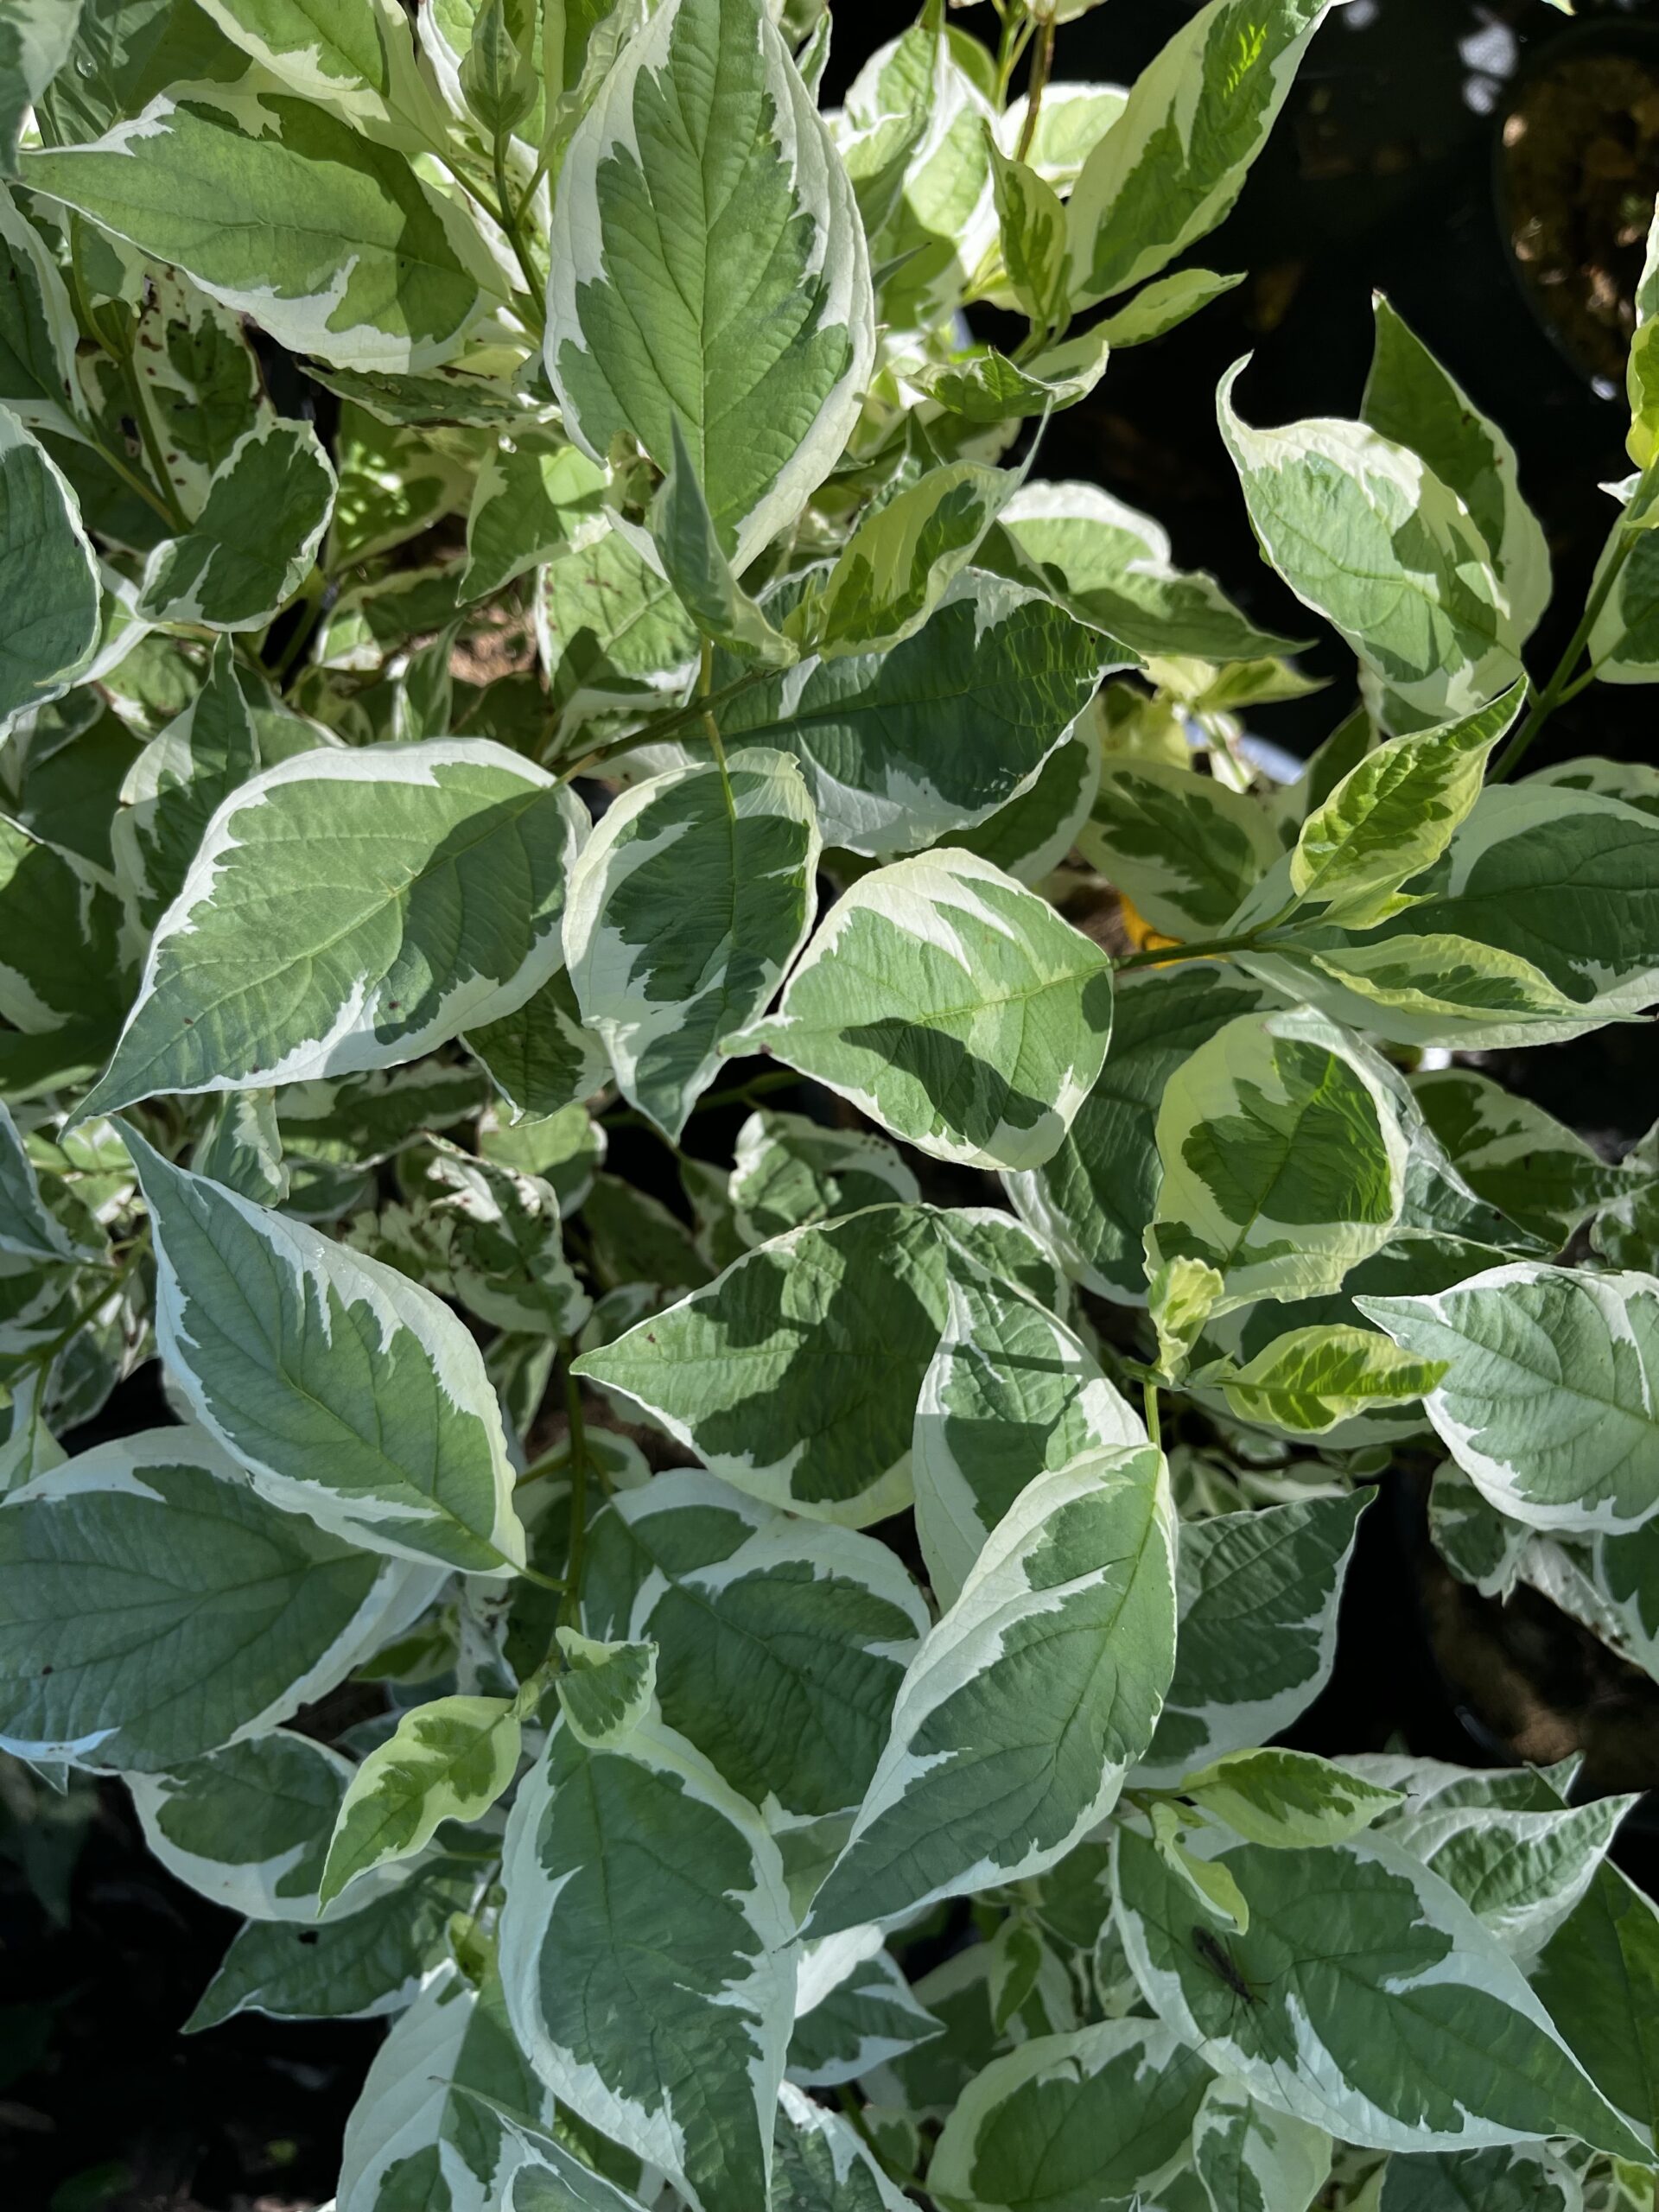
<point x="1149" y="1401"/>
<point x="1041" y="62"/>
<point x="681" y="718"/>
<point x="1201" y="949"/>
<point x="1560" y="687"/>
<point x="569" y="1609"/>
<point x="710" y="726"/>
<point x="510" y="224"/>
<point x="544" y="1581"/>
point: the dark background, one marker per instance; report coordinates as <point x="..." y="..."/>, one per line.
<point x="1383" y="172"/>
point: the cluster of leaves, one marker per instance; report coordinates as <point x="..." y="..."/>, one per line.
<point x="664" y="665"/>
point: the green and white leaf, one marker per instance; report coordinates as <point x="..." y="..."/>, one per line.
<point x="38" y="334"/>
<point x="1511" y="2178"/>
<point x="1366" y="534"/>
<point x="539" y="1057"/>
<point x="870" y="2017"/>
<point x="288" y="214"/>
<point x="156" y="1608"/>
<point x="36" y="38"/>
<point x="605" y="1689"/>
<point x="1311" y="1379"/>
<point x="1393" y="815"/>
<point x="1258" y="1595"/>
<point x="702" y="201"/>
<point x="1379" y="2007"/>
<point x="952" y="1005"/>
<point x="48" y="577"/>
<point x="349" y="910"/>
<point x="1410" y="399"/>
<point x="899" y="748"/>
<point x="1066" y="2123"/>
<point x="640" y="1887"/>
<point x="423" y="2124"/>
<point x="28" y="1225"/>
<point x="1184" y="849"/>
<point x="898" y="562"/>
<point x="450" y="1759"/>
<point x="1548" y="1401"/>
<point x="1013" y="1392"/>
<point x="820" y="2164"/>
<point x="1284" y="1153"/>
<point x="538" y="499"/>
<point x="1516" y="1156"/>
<point x="348" y="1392"/>
<point x="1171" y="165"/>
<point x="1286" y="1799"/>
<point x="789" y="1172"/>
<point x="178" y="783"/>
<point x="687" y="906"/>
<point x="256" y="538"/>
<point x="781" y="1641"/>
<point x="1026" y="1706"/>
<point x="1251" y="2159"/>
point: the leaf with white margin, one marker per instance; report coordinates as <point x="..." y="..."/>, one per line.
<point x="157" y="1608"/>
<point x="176" y="784"/>
<point x="496" y="1245"/>
<point x="421" y="2128"/>
<point x="353" y="57"/>
<point x="1515" y="1155"/>
<point x="1011" y="1393"/>
<point x="249" y="1826"/>
<point x="985" y="387"/>
<point x="36" y="38"/>
<point x="28" y="1225"/>
<point x="549" y="2176"/>
<point x="349" y="910"/>
<point x="1286" y="1799"/>
<point x="1284" y="1153"/>
<point x="538" y="499"/>
<point x="288" y="214"/>
<point x="1599" y="1977"/>
<point x="1551" y="897"/>
<point x="1069" y="2123"/>
<point x="871" y="2016"/>
<point x="899" y="748"/>
<point x="1028" y="1703"/>
<point x="38" y="334"/>
<point x="1164" y="304"/>
<point x="539" y="1057"/>
<point x="248" y="550"/>
<point x="1171" y="165"/>
<point x="1309" y="1379"/>
<point x="1185" y="848"/>
<point x="686" y="908"/>
<point x="1258" y="1595"/>
<point x="1373" y="2003"/>
<point x="605" y="1689"/>
<point x="1250" y="2158"/>
<point x="795" y="1376"/>
<point x="1410" y="398"/>
<point x="1508" y="2178"/>
<point x="701" y="200"/>
<point x="953" y="1006"/>
<point x="349" y="1392"/>
<point x="1520" y="1871"/>
<point x="48" y="577"/>
<point x="896" y="565"/>
<point x="1031" y="836"/>
<point x="1394" y="814"/>
<point x="1115" y="572"/>
<point x="1032" y="223"/>
<point x="1367" y="534"/>
<point x="641" y="1889"/>
<point x="820" y="2163"/>
<point x="1092" y="1200"/>
<point x="449" y="1759"/>
<point x="684" y="544"/>
<point x="1549" y="1401"/>
<point x="782" y="1641"/>
<point x="789" y="1172"/>
<point x="358" y="1965"/>
<point x="610" y="631"/>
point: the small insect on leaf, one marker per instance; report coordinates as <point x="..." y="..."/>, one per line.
<point x="1222" y="1963"/>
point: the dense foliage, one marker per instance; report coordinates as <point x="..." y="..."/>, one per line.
<point x="727" y="1573"/>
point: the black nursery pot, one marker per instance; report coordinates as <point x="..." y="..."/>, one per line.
<point x="1575" y="169"/>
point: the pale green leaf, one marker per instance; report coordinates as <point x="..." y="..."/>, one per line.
<point x="1173" y="162"/>
<point x="1286" y="1799"/>
<point x="952" y="1005"/>
<point x="1164" y="304"/>
<point x="1310" y="1379"/>
<point x="448" y="1760"/>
